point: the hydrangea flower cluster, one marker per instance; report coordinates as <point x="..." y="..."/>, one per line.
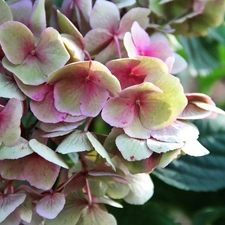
<point x="62" y="72"/>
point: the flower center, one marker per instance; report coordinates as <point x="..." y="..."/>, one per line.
<point x="131" y="74"/>
<point x="87" y="79"/>
<point x="138" y="102"/>
<point x="33" y="52"/>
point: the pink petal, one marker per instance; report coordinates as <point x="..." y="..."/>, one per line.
<point x="170" y="62"/>
<point x="9" y="202"/>
<point x="135" y="14"/>
<point x="33" y="168"/>
<point x="51" y="51"/>
<point x="73" y="119"/>
<point x="68" y="100"/>
<point x="140" y="37"/>
<point x="37" y="20"/>
<point x="139" y="91"/>
<point x="93" y="99"/>
<point x="50" y="205"/>
<point x="122" y="69"/>
<point x="10" y="119"/>
<point x="16" y="41"/>
<point x="131" y="49"/>
<point x="157" y="36"/>
<point x="36" y="93"/>
<point x="159" y="50"/>
<point x="21" y="10"/>
<point x="108" y="53"/>
<point x="45" y="110"/>
<point x="193" y="111"/>
<point x="72" y="210"/>
<point x="136" y="129"/>
<point x="107" y="19"/>
<point x="96" y="40"/>
<point x="101" y="76"/>
<point x="179" y="64"/>
<point x="85" y="7"/>
<point x="58" y="127"/>
<point x="118" y="112"/>
<point x="179" y="132"/>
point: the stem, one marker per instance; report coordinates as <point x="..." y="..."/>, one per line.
<point x="117" y="46"/>
<point x="87" y="54"/>
<point x="88" y="124"/>
<point x="9" y="187"/>
<point x="86" y="180"/>
<point x="61" y="186"/>
<point x="88" y="192"/>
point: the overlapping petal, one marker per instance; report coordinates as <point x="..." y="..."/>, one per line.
<point x="29" y="63"/>
<point x="10" y="119"/>
<point x="8" y="87"/>
<point x="89" y="84"/>
<point x="5" y="12"/>
<point x="173" y="96"/>
<point x="16" y="41"/>
<point x="199" y="106"/>
<point x="112" y="29"/>
<point x="31" y="15"/>
<point x="106" y="19"/>
<point x="45" y="110"/>
<point x="137" y="42"/>
<point x="119" y="111"/>
<point x="156" y="104"/>
<point x="133" y="71"/>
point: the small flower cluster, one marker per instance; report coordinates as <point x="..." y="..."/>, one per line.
<point x="57" y="79"/>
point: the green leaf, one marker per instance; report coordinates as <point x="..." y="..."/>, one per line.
<point x="150" y="213"/>
<point x="203" y="173"/>
<point x="208" y="59"/>
<point x="209" y="215"/>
